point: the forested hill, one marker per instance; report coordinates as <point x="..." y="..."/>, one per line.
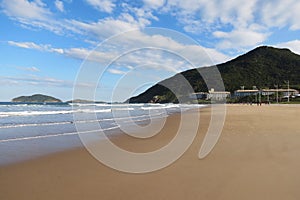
<point x="263" y="67"/>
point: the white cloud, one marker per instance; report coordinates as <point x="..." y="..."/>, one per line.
<point x="129" y="67"/>
<point x="102" y="5"/>
<point x="36" y="80"/>
<point x="197" y="53"/>
<point x="237" y="39"/>
<point x="80" y="53"/>
<point x="292" y="45"/>
<point x="154" y="3"/>
<point x="59" y="5"/>
<point x="26" y="45"/>
<point x="213" y="13"/>
<point x="151" y="51"/>
<point x="40" y="47"/>
<point x="116" y="71"/>
<point x="232" y="21"/>
<point x="29" y="69"/>
<point x="33" y="15"/>
<point x="97" y="56"/>
<point x="227" y="20"/>
<point x="274" y="13"/>
<point x="109" y="26"/>
<point x="143" y="15"/>
<point x="56" y="50"/>
<point x="33" y="69"/>
<point x="23" y="9"/>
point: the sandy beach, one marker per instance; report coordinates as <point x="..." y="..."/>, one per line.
<point x="256" y="157"/>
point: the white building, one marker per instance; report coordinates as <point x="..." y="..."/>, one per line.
<point x="285" y="92"/>
<point x="211" y="95"/>
<point x="265" y="92"/>
<point x="217" y="95"/>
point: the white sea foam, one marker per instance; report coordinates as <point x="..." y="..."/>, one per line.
<point x="88" y="104"/>
<point x="53" y="135"/>
<point x="18" y="116"/>
<point x="57" y="112"/>
<point x="122" y="109"/>
<point x="81" y="121"/>
<point x="30" y="113"/>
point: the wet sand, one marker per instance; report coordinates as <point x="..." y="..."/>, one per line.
<point x="257" y="157"/>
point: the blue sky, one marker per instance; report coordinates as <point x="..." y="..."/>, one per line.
<point x="114" y="49"/>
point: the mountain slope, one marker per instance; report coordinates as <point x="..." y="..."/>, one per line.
<point x="263" y="67"/>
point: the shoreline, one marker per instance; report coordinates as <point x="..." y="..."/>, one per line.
<point x="256" y="158"/>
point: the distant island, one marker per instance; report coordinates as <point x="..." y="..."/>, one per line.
<point x="79" y="101"/>
<point x="83" y="101"/>
<point x="36" y="98"/>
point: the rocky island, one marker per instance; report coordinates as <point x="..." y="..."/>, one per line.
<point x="36" y="98"/>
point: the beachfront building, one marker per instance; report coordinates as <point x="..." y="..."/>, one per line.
<point x="217" y="95"/>
<point x="245" y="93"/>
<point x="210" y="95"/>
<point x="284" y="92"/>
<point x="254" y="94"/>
<point x="258" y="94"/>
<point x="265" y="92"/>
<point x="198" y="95"/>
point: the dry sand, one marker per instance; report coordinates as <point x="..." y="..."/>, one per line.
<point x="257" y="157"/>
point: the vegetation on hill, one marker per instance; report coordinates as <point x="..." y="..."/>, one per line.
<point x="37" y="98"/>
<point x="80" y="101"/>
<point x="263" y="67"/>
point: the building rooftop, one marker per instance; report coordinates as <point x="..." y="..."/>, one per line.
<point x="246" y="90"/>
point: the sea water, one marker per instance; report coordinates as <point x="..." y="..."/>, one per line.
<point x="28" y="130"/>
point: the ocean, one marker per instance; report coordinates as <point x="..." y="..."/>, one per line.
<point x="29" y="130"/>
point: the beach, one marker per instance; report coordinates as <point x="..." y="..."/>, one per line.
<point x="256" y="157"/>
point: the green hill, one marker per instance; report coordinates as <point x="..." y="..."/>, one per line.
<point x="263" y="67"/>
<point x="37" y="98"/>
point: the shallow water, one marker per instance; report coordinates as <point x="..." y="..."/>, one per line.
<point x="31" y="130"/>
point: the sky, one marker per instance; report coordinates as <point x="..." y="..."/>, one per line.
<point x="110" y="50"/>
